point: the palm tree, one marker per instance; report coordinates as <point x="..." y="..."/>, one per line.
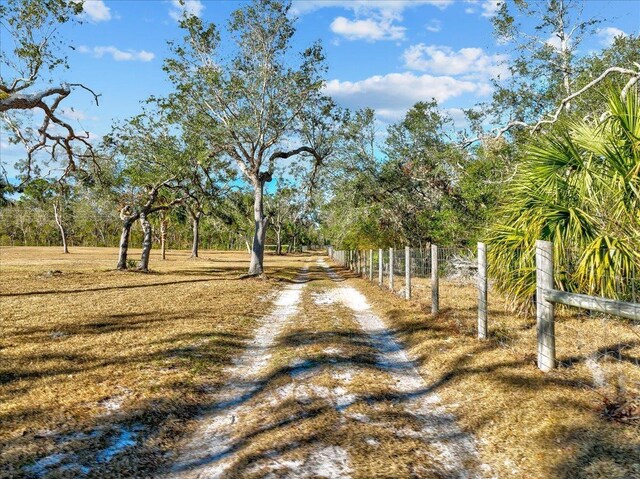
<point x="580" y="189"/>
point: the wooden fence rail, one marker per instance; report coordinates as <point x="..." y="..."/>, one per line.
<point x="546" y="295"/>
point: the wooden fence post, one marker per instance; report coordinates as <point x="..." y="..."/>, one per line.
<point x="482" y="291"/>
<point x="544" y="308"/>
<point x="391" y="268"/>
<point x="364" y="263"/>
<point x="435" y="293"/>
<point x="380" y="266"/>
<point x="407" y="272"/>
<point x="370" y="265"/>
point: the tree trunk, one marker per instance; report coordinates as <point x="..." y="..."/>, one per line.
<point x="278" y="241"/>
<point x="56" y="213"/>
<point x="196" y="235"/>
<point x="260" y="221"/>
<point x="163" y="234"/>
<point x="146" y="243"/>
<point x="124" y="244"/>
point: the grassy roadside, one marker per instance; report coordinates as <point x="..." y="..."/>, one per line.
<point x="529" y="424"/>
<point x="92" y="359"/>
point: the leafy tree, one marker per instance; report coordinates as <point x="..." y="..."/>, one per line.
<point x="544" y="36"/>
<point x="407" y="190"/>
<point x="153" y="162"/>
<point x="254" y="100"/>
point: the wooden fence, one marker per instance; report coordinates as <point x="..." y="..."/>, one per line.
<point x="427" y="264"/>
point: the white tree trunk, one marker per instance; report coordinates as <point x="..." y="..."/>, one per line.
<point x="63" y="234"/>
<point x="278" y="231"/>
<point x="163" y="234"/>
<point x="257" y="249"/>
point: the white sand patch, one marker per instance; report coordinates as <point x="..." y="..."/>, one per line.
<point x="210" y="452"/>
<point x="357" y="416"/>
<point x="339" y="398"/>
<point x="67" y="463"/>
<point x="125" y="438"/>
<point x="596" y="371"/>
<point x="343" y="374"/>
<point x="323" y="299"/>
<point x="330" y="462"/>
<point x="439" y="426"/>
<point x="333" y="351"/>
<point x="112" y="404"/>
<point x="41" y="466"/>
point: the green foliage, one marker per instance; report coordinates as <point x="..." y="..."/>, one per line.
<point x="417" y="187"/>
<point x="580" y="189"/>
<point x="31" y="26"/>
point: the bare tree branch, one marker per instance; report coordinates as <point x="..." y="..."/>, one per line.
<point x="552" y="118"/>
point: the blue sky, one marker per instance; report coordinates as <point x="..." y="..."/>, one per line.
<point x="383" y="54"/>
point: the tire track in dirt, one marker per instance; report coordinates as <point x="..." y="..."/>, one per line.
<point x="330" y="394"/>
<point x="458" y="455"/>
<point x="208" y="453"/>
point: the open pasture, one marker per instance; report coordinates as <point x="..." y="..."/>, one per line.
<point x="107" y="374"/>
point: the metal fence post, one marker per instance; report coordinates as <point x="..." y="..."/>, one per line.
<point x="482" y="291"/>
<point x="391" y="268"/>
<point x="407" y="272"/>
<point x="380" y="266"/>
<point x="544" y="308"/>
<point x="370" y="265"/>
<point x="435" y="293"/>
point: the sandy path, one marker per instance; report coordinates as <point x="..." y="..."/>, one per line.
<point x="209" y="452"/>
<point x="439" y="427"/>
<point x="341" y="406"/>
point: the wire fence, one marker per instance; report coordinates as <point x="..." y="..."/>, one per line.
<point x="604" y="346"/>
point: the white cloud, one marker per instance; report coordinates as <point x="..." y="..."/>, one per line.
<point x="554" y="42"/>
<point x="393" y="94"/>
<point x="76" y="114"/>
<point x="96" y="10"/>
<point x="470" y="63"/>
<point x="117" y="54"/>
<point x="301" y="7"/>
<point x="434" y="25"/>
<point x="608" y="34"/>
<point x="191" y="7"/>
<point x="490" y="7"/>
<point x="373" y="20"/>
<point x="368" y="29"/>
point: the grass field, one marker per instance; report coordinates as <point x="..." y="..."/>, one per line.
<point x="93" y="349"/>
<point x="111" y="368"/>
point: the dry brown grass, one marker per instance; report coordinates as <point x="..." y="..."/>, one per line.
<point x="92" y="349"/>
<point x="90" y="352"/>
<point x="529" y="424"/>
